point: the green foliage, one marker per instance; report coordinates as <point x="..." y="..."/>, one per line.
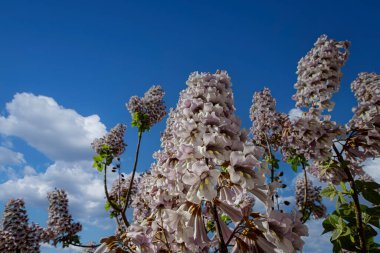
<point x="344" y="231"/>
<point x="328" y="165"/>
<point x="329" y="192"/>
<point x="107" y="206"/>
<point x="103" y="159"/>
<point x="141" y="121"/>
<point x="272" y="160"/>
<point x="210" y="226"/>
<point x="226" y="219"/>
<point x="296" y="161"/>
<point x="369" y="191"/>
<point x="342" y="222"/>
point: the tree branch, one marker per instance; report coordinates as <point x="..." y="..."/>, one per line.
<point x="355" y="196"/>
<point x="84" y="246"/>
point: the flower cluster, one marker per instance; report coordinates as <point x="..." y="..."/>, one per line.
<point x="366" y="87"/>
<point x="309" y="136"/>
<point x="205" y="169"/>
<point x="7" y="242"/>
<point x="266" y="122"/>
<point x="313" y="199"/>
<point x="365" y="123"/>
<point x="327" y="171"/>
<point x="114" y="140"/>
<point x="17" y="234"/>
<point x="120" y="188"/>
<point x="148" y="110"/>
<point x="60" y="222"/>
<point x="319" y="73"/>
<point x="288" y="230"/>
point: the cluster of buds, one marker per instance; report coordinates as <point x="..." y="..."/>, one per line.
<point x="148" y="110"/>
<point x="309" y="136"/>
<point x="266" y="122"/>
<point x="17" y="234"/>
<point x="60" y="223"/>
<point x="313" y="199"/>
<point x="114" y="140"/>
<point x="7" y="242"/>
<point x="120" y="188"/>
<point x="312" y="135"/>
<point x="319" y="73"/>
<point x="365" y="124"/>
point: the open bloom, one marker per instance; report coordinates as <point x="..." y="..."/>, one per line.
<point x="202" y="180"/>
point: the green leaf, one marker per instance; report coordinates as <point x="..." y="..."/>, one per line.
<point x="225" y="218"/>
<point x="347" y="231"/>
<point x="295" y="162"/>
<point x="336" y="234"/>
<point x="343" y="186"/>
<point x="372" y="196"/>
<point x="329" y="192"/>
<point x="330" y="223"/>
<point x="374" y="213"/>
<point x="210" y="225"/>
<point x="369" y="191"/>
<point x="341" y="198"/>
<point x="141" y="121"/>
<point x="294" y="167"/>
<point x="107" y="206"/>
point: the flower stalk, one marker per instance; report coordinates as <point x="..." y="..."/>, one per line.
<point x="222" y="245"/>
<point x="133" y="173"/>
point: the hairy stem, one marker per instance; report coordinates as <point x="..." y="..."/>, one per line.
<point x="222" y="245"/>
<point x="355" y="197"/>
<point x="133" y="175"/>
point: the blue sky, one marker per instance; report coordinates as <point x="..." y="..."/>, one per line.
<point x="79" y="62"/>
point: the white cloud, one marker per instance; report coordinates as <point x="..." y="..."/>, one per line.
<point x="83" y="184"/>
<point x="6" y="142"/>
<point x="9" y="172"/>
<point x="29" y="170"/>
<point x="49" y="248"/>
<point x="316" y="242"/>
<point x="64" y="136"/>
<point x="57" y="132"/>
<point x="372" y="167"/>
<point x="9" y="157"/>
<point x="295" y="113"/>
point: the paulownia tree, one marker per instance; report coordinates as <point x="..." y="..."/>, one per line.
<point x="200" y="194"/>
